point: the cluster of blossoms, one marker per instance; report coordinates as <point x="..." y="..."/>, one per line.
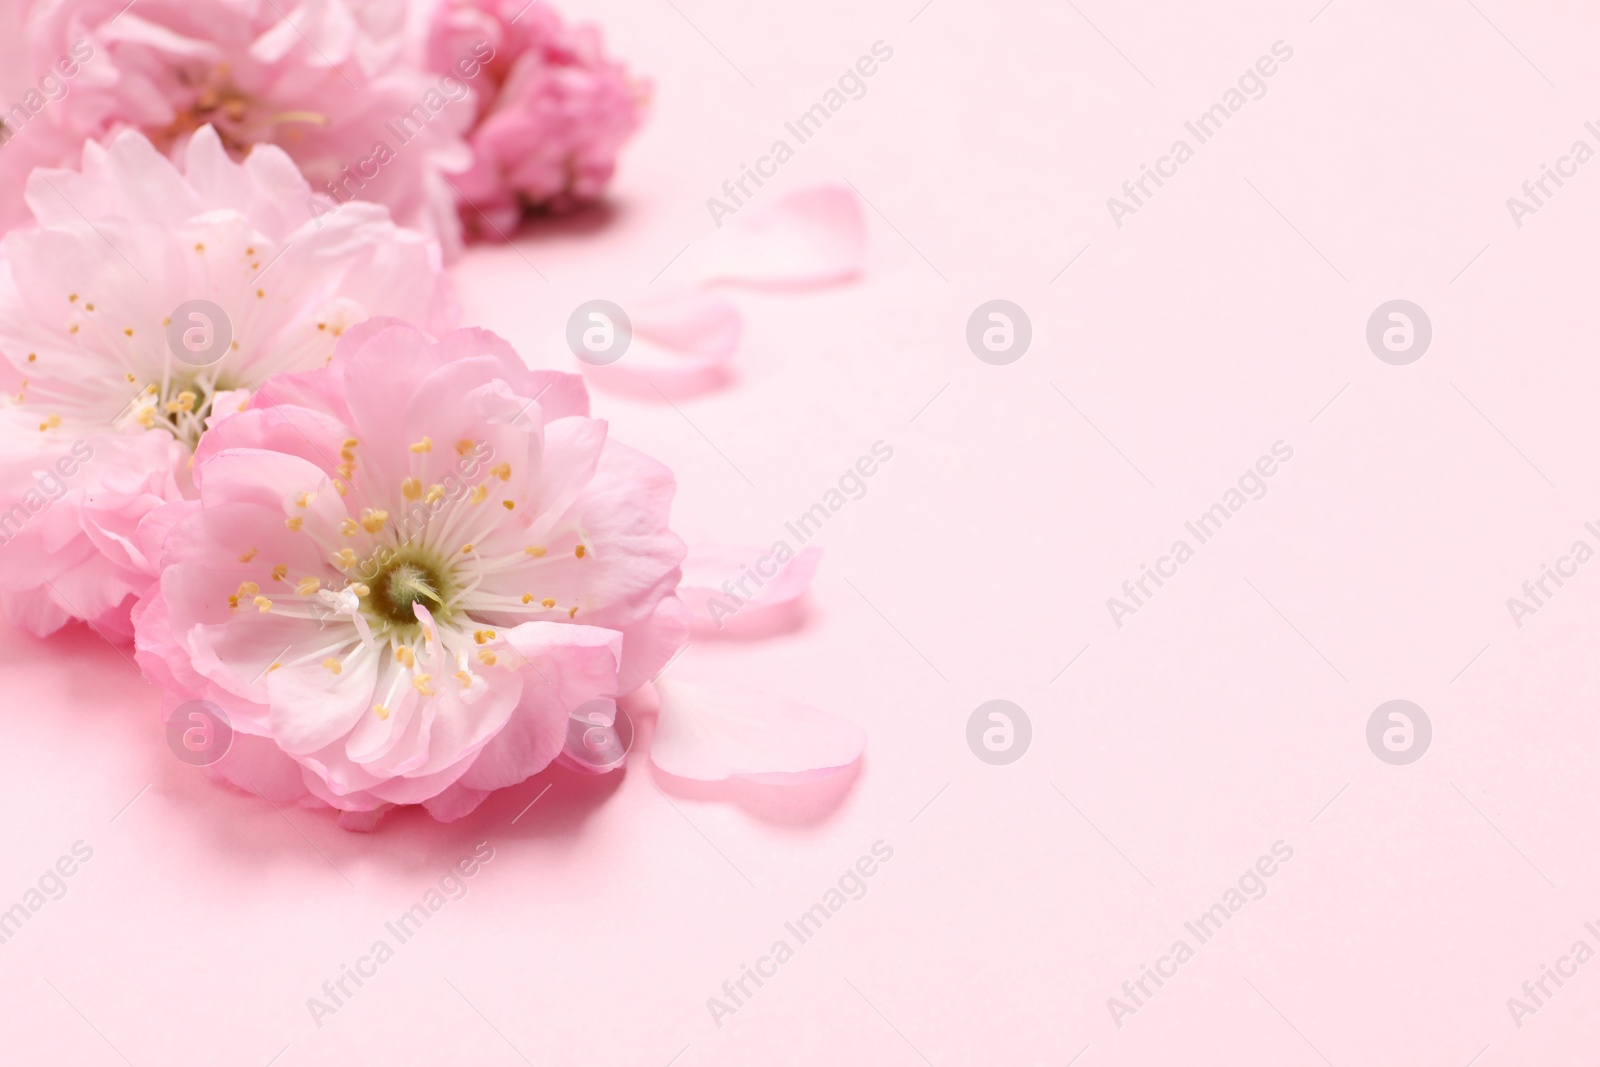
<point x="240" y="429"/>
<point x="497" y="108"/>
<point x="552" y="116"/>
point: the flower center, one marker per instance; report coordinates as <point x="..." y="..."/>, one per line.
<point x="401" y="584"/>
<point x="181" y="408"/>
<point x="239" y="119"/>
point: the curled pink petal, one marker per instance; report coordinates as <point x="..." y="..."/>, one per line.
<point x="740" y="589"/>
<point x="692" y="322"/>
<point x="712" y="734"/>
<point x="817" y="236"/>
<point x="681" y="347"/>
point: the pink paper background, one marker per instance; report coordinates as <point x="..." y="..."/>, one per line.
<point x="1226" y="715"/>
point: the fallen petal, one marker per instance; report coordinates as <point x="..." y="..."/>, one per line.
<point x="681" y="347"/>
<point x="712" y="734"/>
<point x="709" y="570"/>
<point x="817" y="236"/>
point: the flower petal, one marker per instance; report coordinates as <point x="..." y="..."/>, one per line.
<point x="681" y="347"/>
<point x="817" y="236"/>
<point x="710" y="570"/>
<point x="574" y="664"/>
<point x="712" y="734"/>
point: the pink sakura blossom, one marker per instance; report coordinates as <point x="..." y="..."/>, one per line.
<point x="34" y="78"/>
<point x="551" y="118"/>
<point x="99" y="416"/>
<point x="327" y="81"/>
<point x="406" y="574"/>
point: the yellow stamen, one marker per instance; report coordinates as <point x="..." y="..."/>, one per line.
<point x="424" y="445"/>
<point x="308" y="585"/>
<point x="333" y="665"/>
